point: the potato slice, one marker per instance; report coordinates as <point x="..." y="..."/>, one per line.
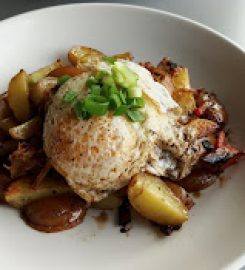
<point x="67" y="70"/>
<point x="154" y="200"/>
<point x="21" y="191"/>
<point x="43" y="72"/>
<point x="181" y="78"/>
<point x="27" y="129"/>
<point x="185" y="98"/>
<point x="108" y="203"/>
<point x="39" y="89"/>
<point x="82" y="56"/>
<point x="18" y="96"/>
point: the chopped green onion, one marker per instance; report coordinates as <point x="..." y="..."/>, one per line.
<point x="62" y="79"/>
<point x="135" y="92"/>
<point x="91" y="81"/>
<point x="136" y="116"/>
<point x="136" y="102"/>
<point x="121" y="110"/>
<point x="96" y="105"/>
<point x="108" y="81"/>
<point x="95" y="89"/>
<point x="79" y="110"/>
<point x="100" y="75"/>
<point x="109" y="60"/>
<point x="123" y="76"/>
<point x="70" y="96"/>
<point x="123" y="96"/>
<point x="115" y="101"/>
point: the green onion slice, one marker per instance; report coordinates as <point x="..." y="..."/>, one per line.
<point x="70" y="96"/>
<point x="136" y="102"/>
<point x="62" y="79"/>
<point x="136" y="116"/>
<point x="121" y="110"/>
<point x="115" y="101"/>
<point x="96" y="105"/>
<point x="109" y="60"/>
<point x="79" y="110"/>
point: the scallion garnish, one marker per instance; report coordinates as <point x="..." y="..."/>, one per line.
<point x="70" y="96"/>
<point x="136" y="102"/>
<point x="117" y="92"/>
<point x="62" y="79"/>
<point x="95" y="89"/>
<point x="115" y="101"/>
<point x="121" y="110"/>
<point x="109" y="60"/>
<point x="135" y="116"/>
<point x="96" y="105"/>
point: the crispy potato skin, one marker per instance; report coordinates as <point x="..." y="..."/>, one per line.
<point x="18" y="96"/>
<point x="22" y="192"/>
<point x="154" y="200"/>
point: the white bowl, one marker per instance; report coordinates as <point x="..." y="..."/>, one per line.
<point x="214" y="237"/>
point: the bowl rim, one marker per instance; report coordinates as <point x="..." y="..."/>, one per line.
<point x="238" y="261"/>
<point x="175" y="16"/>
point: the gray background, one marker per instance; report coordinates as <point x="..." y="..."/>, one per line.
<point x="225" y="16"/>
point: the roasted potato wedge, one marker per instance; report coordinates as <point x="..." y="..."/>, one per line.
<point x="22" y="192"/>
<point x="154" y="200"/>
<point x="82" y="57"/>
<point x="18" y="96"/>
<point x="7" y="123"/>
<point x="186" y="100"/>
<point x="27" y="129"/>
<point x="43" y="72"/>
<point x="39" y="89"/>
<point x="111" y="202"/>
<point x="181" y="78"/>
<point x="67" y="70"/>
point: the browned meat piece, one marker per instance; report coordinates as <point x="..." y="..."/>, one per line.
<point x="25" y="159"/>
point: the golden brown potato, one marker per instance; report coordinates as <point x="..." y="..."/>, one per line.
<point x="43" y="72"/>
<point x="7" y="123"/>
<point x="42" y="87"/>
<point x="181" y="78"/>
<point x="84" y="57"/>
<point x="67" y="70"/>
<point x="154" y="200"/>
<point x="27" y="129"/>
<point x="108" y="203"/>
<point x="18" y="96"/>
<point x="21" y="191"/>
<point x="185" y="99"/>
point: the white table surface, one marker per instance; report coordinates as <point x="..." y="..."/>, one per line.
<point x="225" y="16"/>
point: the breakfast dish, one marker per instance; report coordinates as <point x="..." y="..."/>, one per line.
<point x="109" y="133"/>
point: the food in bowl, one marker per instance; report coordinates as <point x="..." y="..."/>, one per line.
<point x="109" y="133"/>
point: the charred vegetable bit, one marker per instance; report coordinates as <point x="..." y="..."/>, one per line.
<point x="124" y="216"/>
<point x="168" y="229"/>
